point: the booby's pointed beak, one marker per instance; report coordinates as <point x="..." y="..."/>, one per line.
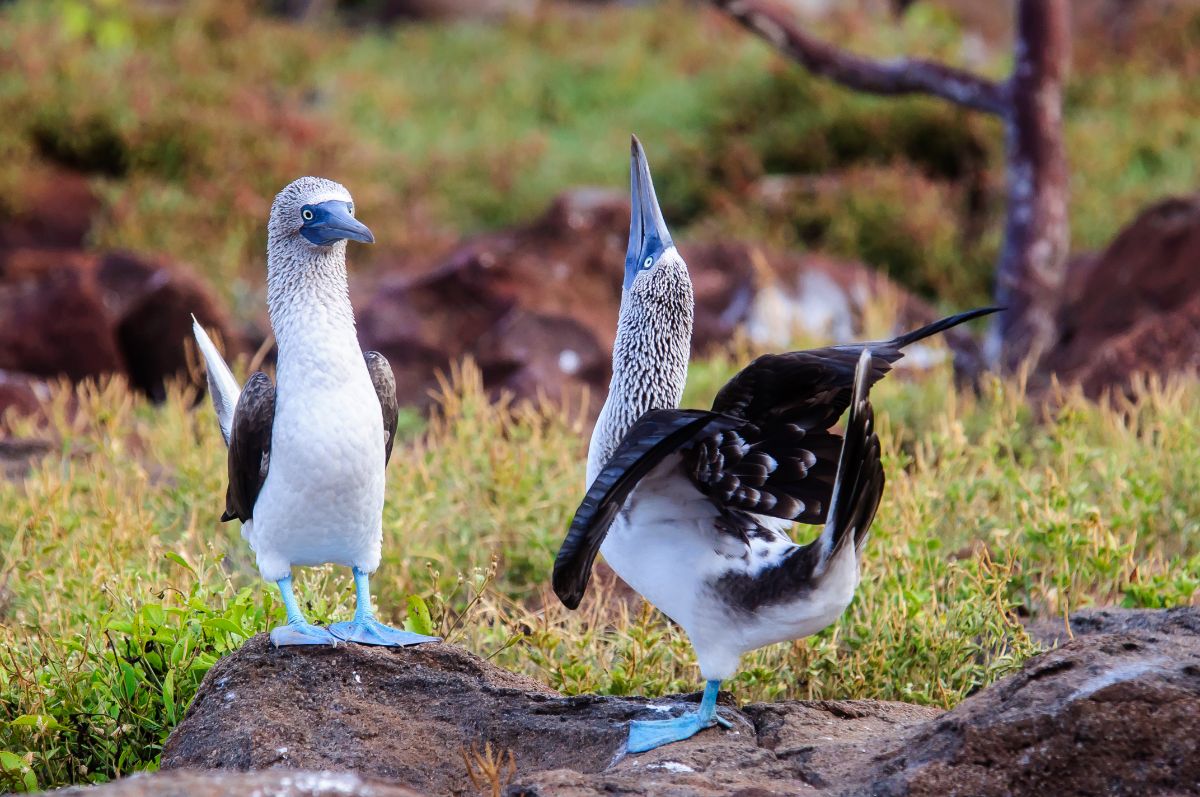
<point x="648" y="233"/>
<point x="334" y="221"/>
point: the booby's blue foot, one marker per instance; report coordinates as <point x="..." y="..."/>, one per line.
<point x="298" y="630"/>
<point x="648" y="734"/>
<point x="301" y="634"/>
<point x="369" y="631"/>
<point x="366" y="630"/>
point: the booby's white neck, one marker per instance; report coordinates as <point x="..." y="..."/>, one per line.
<point x="650" y="355"/>
<point x="308" y="298"/>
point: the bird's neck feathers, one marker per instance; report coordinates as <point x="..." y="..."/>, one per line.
<point x="650" y="356"/>
<point x="308" y="298"/>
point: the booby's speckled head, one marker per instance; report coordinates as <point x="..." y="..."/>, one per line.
<point x="649" y="238"/>
<point x="316" y="212"/>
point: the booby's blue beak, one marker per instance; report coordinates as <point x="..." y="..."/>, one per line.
<point x="648" y="234"/>
<point x="327" y="223"/>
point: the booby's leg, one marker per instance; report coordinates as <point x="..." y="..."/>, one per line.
<point x="366" y="630"/>
<point x="648" y="734"/>
<point x="298" y="631"/>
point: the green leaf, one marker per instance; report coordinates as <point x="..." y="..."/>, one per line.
<point x="223" y="624"/>
<point x="168" y="696"/>
<point x="418" y="620"/>
<point x="38" y="721"/>
<point x="171" y="556"/>
<point x="11" y="762"/>
<point x="154" y="615"/>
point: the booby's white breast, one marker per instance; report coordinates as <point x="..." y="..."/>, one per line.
<point x="665" y="543"/>
<point x="322" y="500"/>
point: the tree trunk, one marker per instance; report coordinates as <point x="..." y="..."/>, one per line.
<point x="1032" y="267"/>
<point x="1033" y="262"/>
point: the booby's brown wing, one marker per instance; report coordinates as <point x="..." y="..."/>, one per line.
<point x="249" y="446"/>
<point x="385" y="387"/>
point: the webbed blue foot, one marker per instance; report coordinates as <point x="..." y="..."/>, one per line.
<point x="365" y="629"/>
<point x="301" y="634"/>
<point x="648" y="734"/>
<point x="298" y="630"/>
<point x="369" y="631"/>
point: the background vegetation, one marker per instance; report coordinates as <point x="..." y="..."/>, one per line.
<point x="203" y="112"/>
<point x="119" y="588"/>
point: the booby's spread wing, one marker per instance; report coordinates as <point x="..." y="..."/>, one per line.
<point x="812" y="388"/>
<point x="654" y="436"/>
<point x="385" y="387"/>
<point x="779" y="470"/>
<point x="856" y="495"/>
<point x="249" y="446"/>
<point x="745" y="471"/>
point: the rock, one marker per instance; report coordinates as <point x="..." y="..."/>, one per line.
<point x="54" y="211"/>
<point x="1052" y="632"/>
<point x="152" y="303"/>
<point x="270" y="783"/>
<point x="82" y="315"/>
<point x="536" y="305"/>
<point x="1109" y="713"/>
<point x="17" y="456"/>
<point x="405" y="715"/>
<point x="21" y="394"/>
<point x="53" y="318"/>
<point x="1134" y="308"/>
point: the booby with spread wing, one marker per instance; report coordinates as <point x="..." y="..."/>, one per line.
<point x="692" y="508"/>
<point x="307" y="455"/>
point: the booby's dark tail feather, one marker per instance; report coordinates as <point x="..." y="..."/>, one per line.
<point x="941" y="325"/>
<point x="859" y="484"/>
<point x="812" y="388"/>
<point x="654" y="437"/>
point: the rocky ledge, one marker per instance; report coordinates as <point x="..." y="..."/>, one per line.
<point x="1116" y="710"/>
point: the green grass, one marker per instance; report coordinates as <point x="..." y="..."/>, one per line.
<point x="120" y="587"/>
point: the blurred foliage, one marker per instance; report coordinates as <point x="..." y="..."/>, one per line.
<point x="191" y="116"/>
<point x="119" y="586"/>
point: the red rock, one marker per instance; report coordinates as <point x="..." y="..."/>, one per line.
<point x="55" y="211"/>
<point x="53" y="318"/>
<point x="21" y="394"/>
<point x="1135" y="307"/>
<point x="561" y="276"/>
<point x="81" y="315"/>
<point x="153" y="302"/>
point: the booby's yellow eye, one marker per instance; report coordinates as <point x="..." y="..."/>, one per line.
<point x="350" y="208"/>
<point x="307" y="214"/>
<point x="649" y="262"/>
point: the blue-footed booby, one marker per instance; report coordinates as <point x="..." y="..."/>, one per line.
<point x="307" y="455"/>
<point x="693" y="508"/>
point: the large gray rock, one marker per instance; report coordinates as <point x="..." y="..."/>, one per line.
<point x="1108" y="713"/>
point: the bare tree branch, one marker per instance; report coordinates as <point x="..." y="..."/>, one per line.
<point x="898" y="76"/>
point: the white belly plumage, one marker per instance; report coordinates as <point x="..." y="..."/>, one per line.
<point x="665" y="544"/>
<point x="322" y="500"/>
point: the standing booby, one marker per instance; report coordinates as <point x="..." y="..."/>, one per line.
<point x="307" y="455"/>
<point x="692" y="508"/>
